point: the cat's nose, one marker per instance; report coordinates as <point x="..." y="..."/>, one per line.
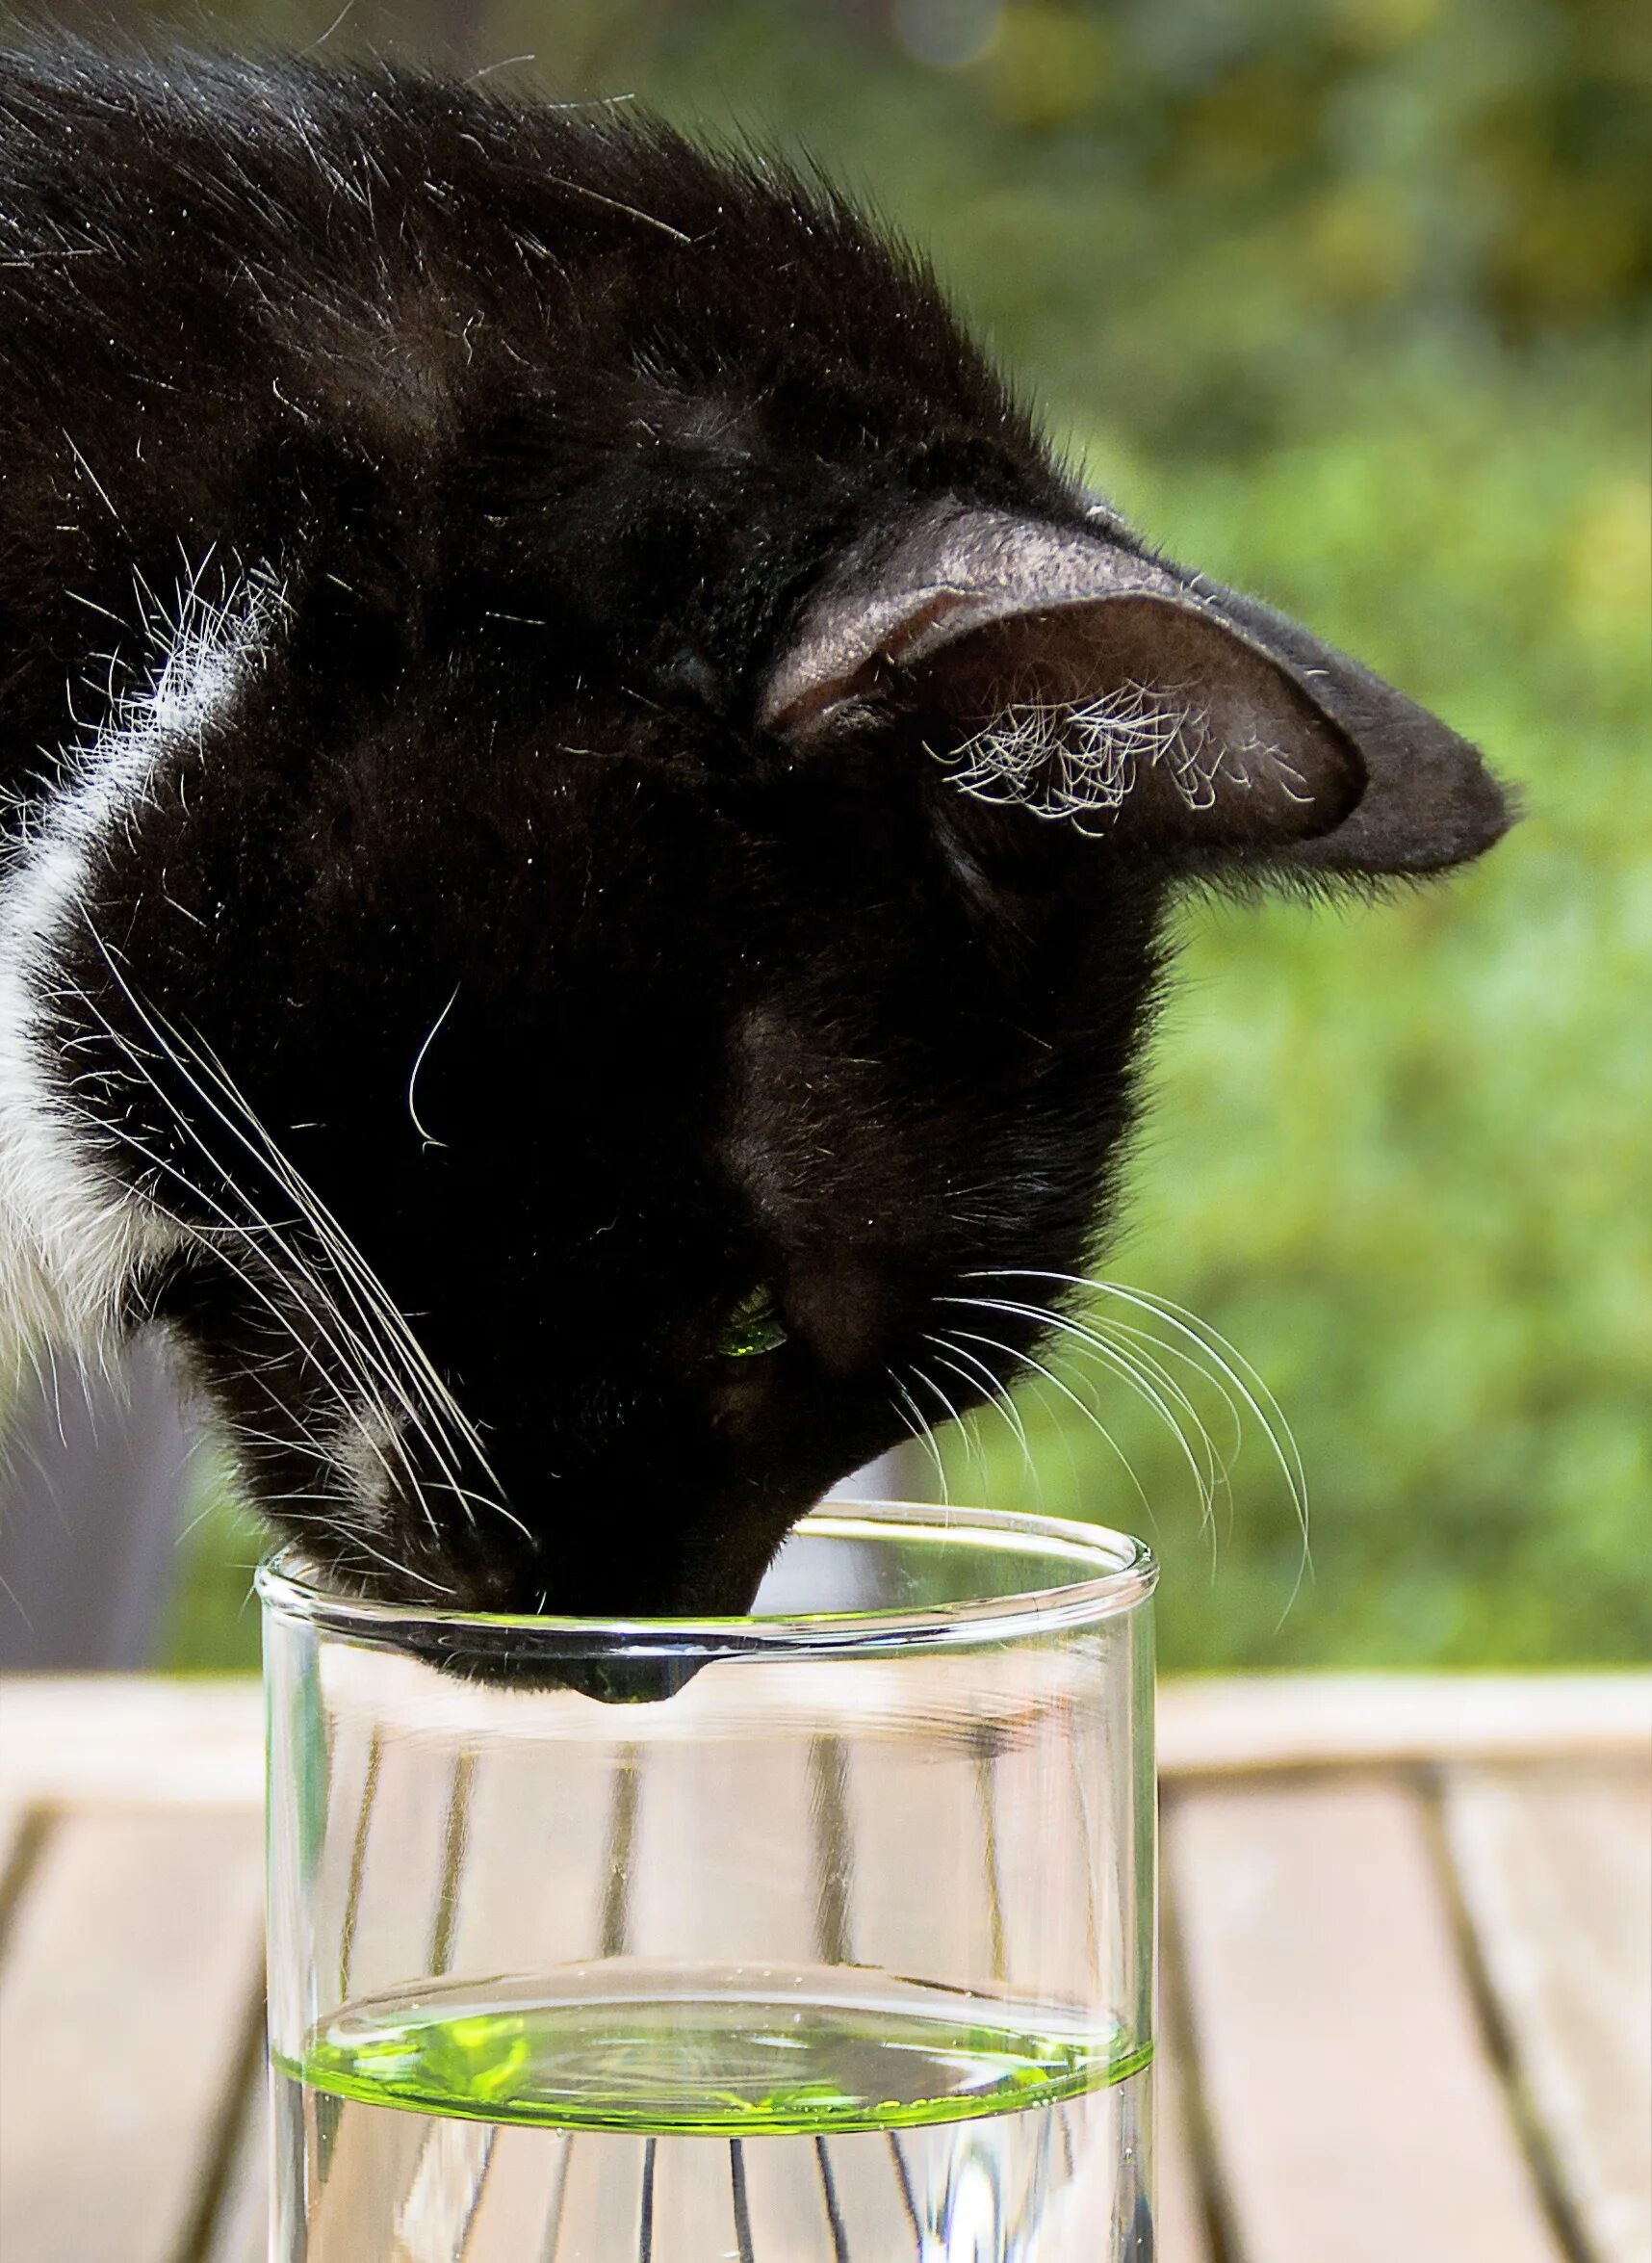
<point x="612" y="1679"/>
<point x="627" y="1680"/>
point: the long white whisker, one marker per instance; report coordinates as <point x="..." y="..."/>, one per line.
<point x="1120" y="1363"/>
<point x="1167" y="1399"/>
<point x="352" y="1354"/>
<point x="354" y="1275"/>
<point x="912" y="1428"/>
<point x="424" y="1423"/>
<point x="926" y="1433"/>
<point x="1160" y="1389"/>
<point x="997" y="1396"/>
<point x="971" y="1445"/>
<point x="422" y="1373"/>
<point x="402" y="1571"/>
<point x="1217" y="1466"/>
<point x="1012" y="1352"/>
<point x="250" y="1237"/>
<point x="1143" y="1338"/>
<point x="170" y="1042"/>
<point x="345" y="1251"/>
<point x="1251" y="1386"/>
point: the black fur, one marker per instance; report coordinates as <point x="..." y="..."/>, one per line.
<point x="637" y="528"/>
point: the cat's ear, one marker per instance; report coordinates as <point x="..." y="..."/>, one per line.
<point x="1062" y="669"/>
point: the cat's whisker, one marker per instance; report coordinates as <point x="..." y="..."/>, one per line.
<point x="1208" y="1343"/>
<point x="425" y="1419"/>
<point x="1014" y="1352"/>
<point x="333" y="1330"/>
<point x="1141" y="1338"/>
<point x="1119" y="1364"/>
<point x="1149" y="1374"/>
<point x="270" y="1441"/>
<point x="913" y="1430"/>
<point x="402" y="1571"/>
<point x="212" y="1239"/>
<point x="424" y="1376"/>
<point x="356" y="1352"/>
<point x="924" y="1432"/>
<point x="971" y="1445"/>
<point x="1167" y="1398"/>
<point x="1201" y="1332"/>
<point x="997" y="1396"/>
<point x="1218" y="1465"/>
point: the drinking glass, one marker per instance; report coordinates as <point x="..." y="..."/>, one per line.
<point x="820" y="1936"/>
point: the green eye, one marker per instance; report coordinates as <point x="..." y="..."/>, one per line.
<point x="752" y="1326"/>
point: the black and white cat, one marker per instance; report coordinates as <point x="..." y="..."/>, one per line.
<point x="590" y="813"/>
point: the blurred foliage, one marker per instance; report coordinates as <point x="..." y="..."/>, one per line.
<point x="1346" y="300"/>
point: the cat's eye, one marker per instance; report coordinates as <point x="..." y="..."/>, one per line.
<point x="752" y="1326"/>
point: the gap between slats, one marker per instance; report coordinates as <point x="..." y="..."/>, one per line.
<point x="233" y="2222"/>
<point x="23" y="1829"/>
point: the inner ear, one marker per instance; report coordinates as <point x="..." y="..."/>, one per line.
<point x="1133" y="716"/>
<point x="1077" y="677"/>
<point x="1062" y="668"/>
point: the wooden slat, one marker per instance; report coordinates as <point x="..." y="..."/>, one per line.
<point x="1243" y="1722"/>
<point x="460" y="1869"/>
<point x="603" y="2193"/>
<point x="796" y="2204"/>
<point x="130" y="1737"/>
<point x="533" y="1893"/>
<point x="1177" y="2217"/>
<point x="124" y="2002"/>
<point x="533" y="1890"/>
<point x="691" y="2206"/>
<point x="448" y="2188"/>
<point x="241" y="2221"/>
<point x="392" y="1919"/>
<point x="775" y="1827"/>
<point x="928" y="1897"/>
<point x="1555" y="1868"/>
<point x="359" y="2171"/>
<point x="1355" y="2109"/>
<point x="516" y="2206"/>
<point x="871" y="2190"/>
<point x="14" y="1818"/>
<point x="1051" y="1878"/>
<point x="740" y="1826"/>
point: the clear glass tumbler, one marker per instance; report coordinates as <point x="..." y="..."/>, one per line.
<point x="822" y="1936"/>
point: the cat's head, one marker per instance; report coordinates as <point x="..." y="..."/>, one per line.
<point x="637" y="949"/>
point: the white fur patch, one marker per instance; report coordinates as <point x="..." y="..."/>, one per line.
<point x="69" y="1235"/>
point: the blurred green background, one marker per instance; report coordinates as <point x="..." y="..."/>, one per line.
<point x="1344" y="301"/>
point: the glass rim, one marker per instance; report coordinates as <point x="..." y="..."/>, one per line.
<point x="1121" y="1574"/>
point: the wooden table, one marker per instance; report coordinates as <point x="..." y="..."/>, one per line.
<point x="1408" y="1996"/>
